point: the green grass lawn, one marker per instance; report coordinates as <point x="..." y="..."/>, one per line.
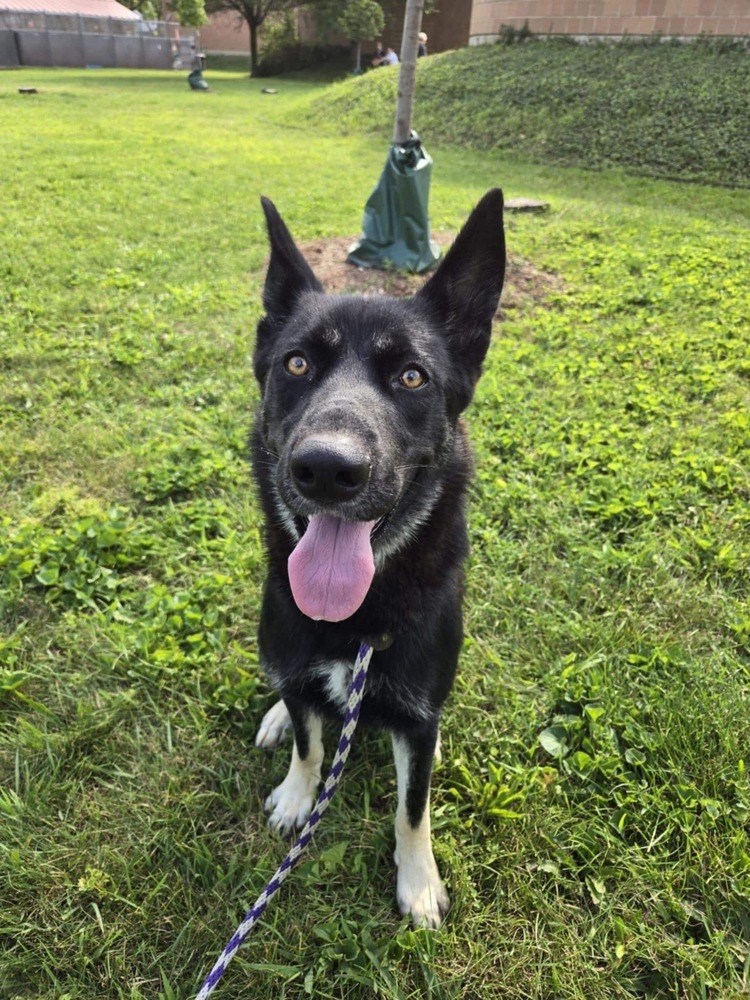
<point x="591" y="808"/>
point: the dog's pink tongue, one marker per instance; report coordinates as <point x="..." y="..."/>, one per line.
<point x="331" y="569"/>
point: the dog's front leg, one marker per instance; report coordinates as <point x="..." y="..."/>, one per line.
<point x="274" y="726"/>
<point x="290" y="804"/>
<point x="420" y="891"/>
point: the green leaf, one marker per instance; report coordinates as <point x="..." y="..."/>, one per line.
<point x="553" y="740"/>
<point x="48" y="574"/>
<point x="580" y="762"/>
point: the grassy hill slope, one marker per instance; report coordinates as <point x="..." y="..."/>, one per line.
<point x="665" y="109"/>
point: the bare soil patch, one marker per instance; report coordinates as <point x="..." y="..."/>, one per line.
<point x="525" y="284"/>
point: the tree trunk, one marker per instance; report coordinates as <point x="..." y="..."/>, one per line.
<point x="253" y="48"/>
<point x="358" y="57"/>
<point x="408" y="71"/>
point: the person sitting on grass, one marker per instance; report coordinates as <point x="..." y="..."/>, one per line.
<point x="379" y="54"/>
<point x="389" y="59"/>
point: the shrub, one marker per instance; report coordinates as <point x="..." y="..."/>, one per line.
<point x="290" y="56"/>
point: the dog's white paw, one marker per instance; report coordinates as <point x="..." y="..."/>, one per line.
<point x="290" y="804"/>
<point x="420" y="891"/>
<point x="274" y="727"/>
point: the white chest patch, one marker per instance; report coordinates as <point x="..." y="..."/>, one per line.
<point x="337" y="675"/>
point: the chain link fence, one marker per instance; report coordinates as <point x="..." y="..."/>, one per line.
<point x="37" y="39"/>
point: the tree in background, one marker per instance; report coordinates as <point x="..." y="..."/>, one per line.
<point x="254" y="15"/>
<point x="358" y="20"/>
<point x="190" y="13"/>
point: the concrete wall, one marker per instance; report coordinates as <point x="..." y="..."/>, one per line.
<point x="677" y="18"/>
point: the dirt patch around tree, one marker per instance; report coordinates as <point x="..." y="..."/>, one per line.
<point x="525" y="285"/>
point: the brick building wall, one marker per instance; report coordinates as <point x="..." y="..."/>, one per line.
<point x="447" y="28"/>
<point x="225" y="34"/>
<point x="670" y="18"/>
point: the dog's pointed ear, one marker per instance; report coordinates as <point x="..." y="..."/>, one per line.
<point x="288" y="274"/>
<point x="463" y="294"/>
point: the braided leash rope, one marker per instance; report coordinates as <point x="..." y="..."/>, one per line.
<point x="290" y="862"/>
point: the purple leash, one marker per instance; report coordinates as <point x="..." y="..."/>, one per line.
<point x="290" y="862"/>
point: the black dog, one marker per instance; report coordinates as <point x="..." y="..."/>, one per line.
<point x="363" y="463"/>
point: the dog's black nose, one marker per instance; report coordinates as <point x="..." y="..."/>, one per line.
<point x="329" y="470"/>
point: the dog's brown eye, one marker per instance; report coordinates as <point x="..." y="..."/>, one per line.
<point x="412" y="378"/>
<point x="296" y="365"/>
